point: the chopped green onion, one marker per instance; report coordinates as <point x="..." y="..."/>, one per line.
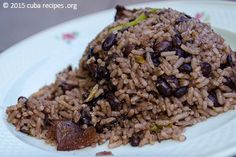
<point x="92" y="93"/>
<point x="170" y="125"/>
<point x="153" y="10"/>
<point x="139" y="59"/>
<point x="139" y="19"/>
<point x="156" y="128"/>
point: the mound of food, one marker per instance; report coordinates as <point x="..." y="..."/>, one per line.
<point x="144" y="78"/>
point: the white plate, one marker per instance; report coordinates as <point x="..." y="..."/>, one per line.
<point x="32" y="63"/>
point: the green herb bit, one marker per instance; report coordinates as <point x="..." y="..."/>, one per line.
<point x="170" y="125"/>
<point x="139" y="19"/>
<point x="140" y="59"/>
<point x="153" y="10"/>
<point x="92" y="93"/>
<point x="156" y="128"/>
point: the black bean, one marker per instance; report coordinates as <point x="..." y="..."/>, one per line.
<point x="109" y="42"/>
<point x="127" y="50"/>
<point x="182" y="19"/>
<point x="206" y="69"/>
<point x="229" y="60"/>
<point x="85" y="117"/>
<point x="223" y="66"/>
<point x="181" y="91"/>
<point x="162" y="46"/>
<point x="230" y="83"/>
<point x="69" y="68"/>
<point x="113" y="101"/>
<point x="155" y="59"/>
<point x="67" y="87"/>
<point x="172" y="81"/>
<point x="135" y="140"/>
<point x="181" y="53"/>
<point x="188" y="16"/>
<point x="99" y="128"/>
<point x="185" y="68"/>
<point x="119" y="12"/>
<point x="164" y="88"/>
<point x="176" y="40"/>
<point x="22" y="99"/>
<point x="213" y="98"/>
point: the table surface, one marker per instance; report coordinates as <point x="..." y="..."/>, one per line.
<point x="18" y="24"/>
